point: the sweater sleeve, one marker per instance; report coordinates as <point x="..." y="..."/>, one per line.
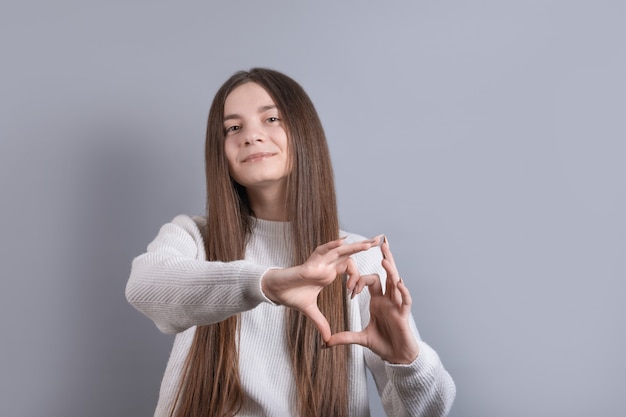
<point x="421" y="389"/>
<point x="174" y="285"/>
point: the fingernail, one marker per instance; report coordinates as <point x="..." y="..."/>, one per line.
<point x="382" y="240"/>
<point x="385" y="239"/>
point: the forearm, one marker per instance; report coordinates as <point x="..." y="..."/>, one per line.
<point x="179" y="293"/>
<point x="174" y="285"/>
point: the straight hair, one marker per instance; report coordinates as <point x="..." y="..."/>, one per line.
<point x="210" y="383"/>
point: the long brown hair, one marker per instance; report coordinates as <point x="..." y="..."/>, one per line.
<point x="210" y="384"/>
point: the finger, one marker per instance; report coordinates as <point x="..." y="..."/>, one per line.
<point x="313" y="313"/>
<point x="349" y="249"/>
<point x="347" y="338"/>
<point x="392" y="272"/>
<point x="353" y="274"/>
<point x="366" y="280"/>
<point x="375" y="287"/>
<point x="406" y="297"/>
<point x="333" y="244"/>
<point x="391" y="289"/>
<point x="386" y="251"/>
<point x="388" y="263"/>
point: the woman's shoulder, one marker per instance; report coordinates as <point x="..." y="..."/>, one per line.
<point x="184" y="226"/>
<point x="187" y="221"/>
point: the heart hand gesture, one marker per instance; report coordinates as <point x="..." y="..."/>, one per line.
<point x="388" y="333"/>
<point x="299" y="286"/>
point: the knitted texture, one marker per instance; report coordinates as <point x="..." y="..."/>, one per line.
<point x="174" y="285"/>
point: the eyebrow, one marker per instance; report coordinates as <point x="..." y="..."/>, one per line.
<point x="260" y="110"/>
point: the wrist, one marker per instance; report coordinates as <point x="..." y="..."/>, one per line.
<point x="267" y="287"/>
<point x="407" y="357"/>
<point x="274" y="283"/>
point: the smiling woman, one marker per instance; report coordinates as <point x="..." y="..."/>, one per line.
<point x="256" y="147"/>
<point x="276" y="311"/>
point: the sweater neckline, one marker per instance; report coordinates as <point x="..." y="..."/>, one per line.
<point x="270" y="227"/>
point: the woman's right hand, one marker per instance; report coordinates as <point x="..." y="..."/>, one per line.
<point x="299" y="286"/>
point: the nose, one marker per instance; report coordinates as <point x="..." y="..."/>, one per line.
<point x="254" y="134"/>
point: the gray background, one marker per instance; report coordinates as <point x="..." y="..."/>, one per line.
<point x="485" y="138"/>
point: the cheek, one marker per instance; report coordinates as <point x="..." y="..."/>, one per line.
<point x="231" y="154"/>
<point x="288" y="159"/>
<point x="288" y="165"/>
<point x="283" y="143"/>
<point x="230" y="166"/>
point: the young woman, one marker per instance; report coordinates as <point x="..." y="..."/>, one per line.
<point x="276" y="311"/>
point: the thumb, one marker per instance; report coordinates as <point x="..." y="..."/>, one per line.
<point x="314" y="313"/>
<point x="347" y="338"/>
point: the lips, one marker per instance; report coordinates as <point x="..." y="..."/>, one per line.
<point x="258" y="156"/>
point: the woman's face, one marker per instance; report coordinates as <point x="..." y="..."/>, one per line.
<point x="256" y="144"/>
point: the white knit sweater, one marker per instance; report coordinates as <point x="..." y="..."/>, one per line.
<point x="174" y="285"/>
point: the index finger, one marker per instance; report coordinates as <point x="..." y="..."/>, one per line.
<point x="388" y="263"/>
<point x="356" y="247"/>
<point x="333" y="244"/>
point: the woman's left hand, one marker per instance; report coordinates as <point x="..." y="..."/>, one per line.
<point x="388" y="333"/>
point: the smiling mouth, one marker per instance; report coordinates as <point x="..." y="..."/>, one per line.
<point x="255" y="157"/>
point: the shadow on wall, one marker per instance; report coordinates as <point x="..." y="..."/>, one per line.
<point x="115" y="356"/>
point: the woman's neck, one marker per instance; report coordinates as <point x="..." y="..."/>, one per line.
<point x="269" y="204"/>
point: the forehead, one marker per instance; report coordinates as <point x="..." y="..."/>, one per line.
<point x="249" y="96"/>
